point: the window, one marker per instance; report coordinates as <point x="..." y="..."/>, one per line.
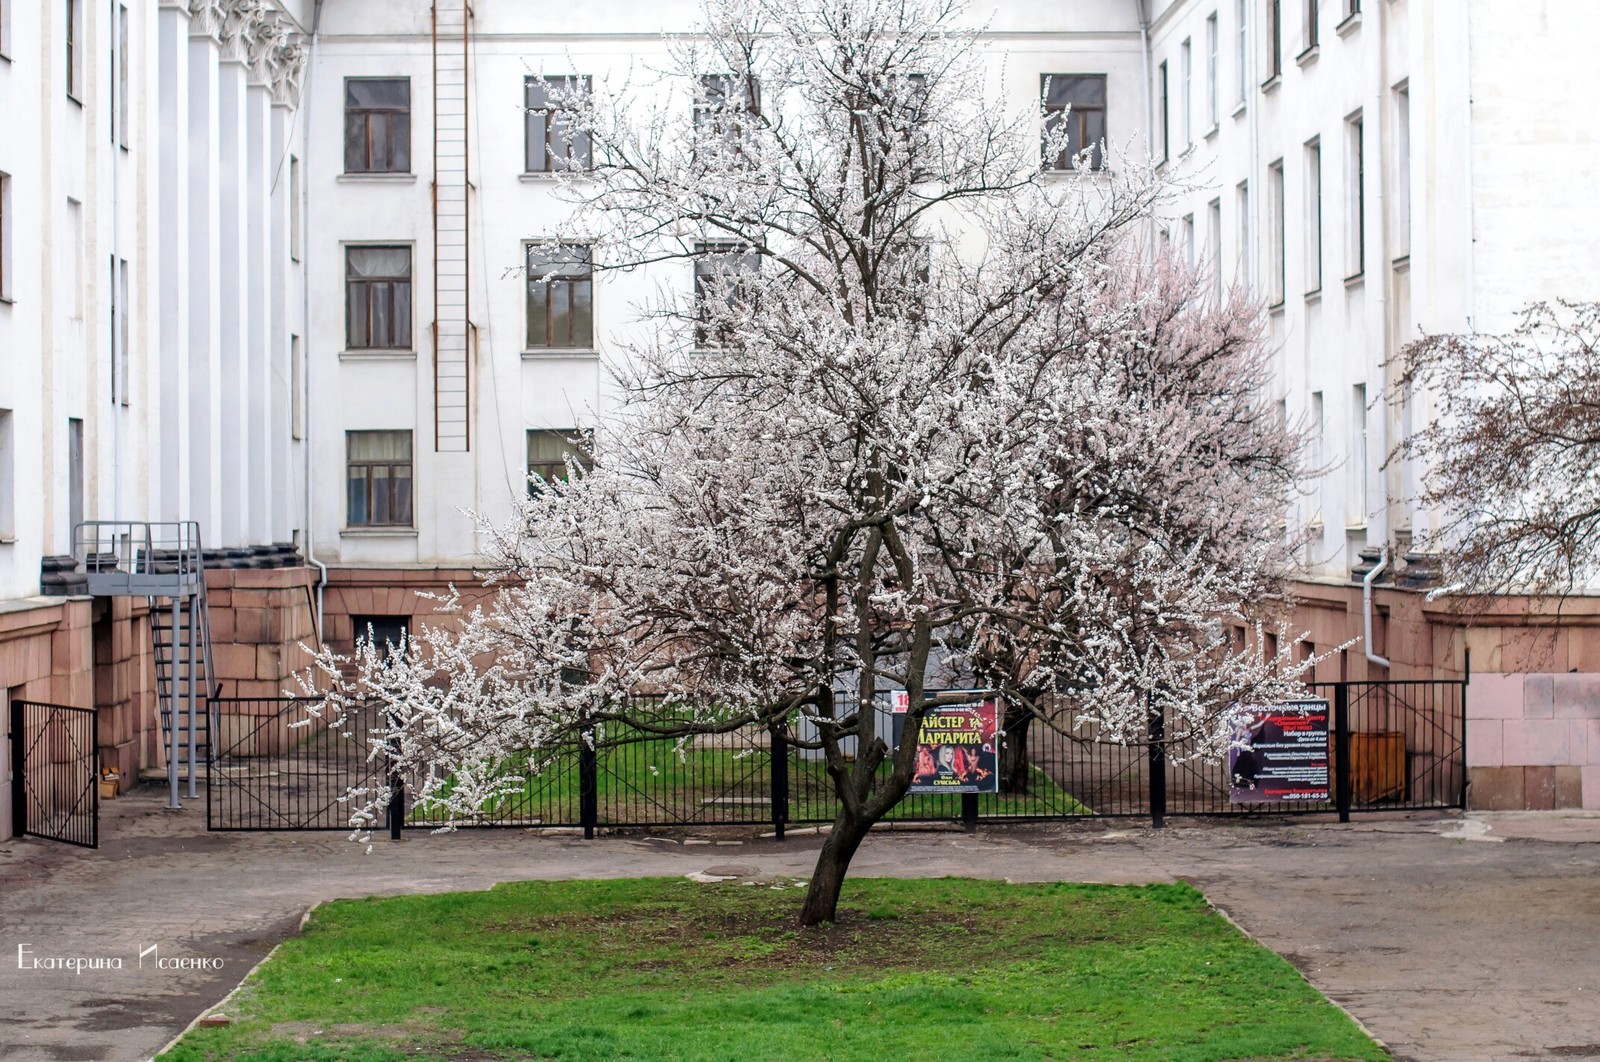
<point x="560" y="297"/>
<point x="1274" y="39"/>
<point x="119" y="330"/>
<point x="1164" y="118"/>
<point x="1275" y="234"/>
<point x="297" y="387"/>
<point x="548" y="451"/>
<point x="1186" y="57"/>
<point x="377" y="298"/>
<point x="378" y="477"/>
<point x="5" y="235"/>
<point x="1212" y="110"/>
<point x="723" y="117"/>
<point x="1356" y="477"/>
<point x="1214" y="245"/>
<point x="1402" y="165"/>
<point x="718" y="289"/>
<point x="377" y="125"/>
<point x="74" y="50"/>
<point x="8" y="480"/>
<point x="1079" y="100"/>
<point x="552" y="142"/>
<point x="387" y="633"/>
<point x="1317" y="426"/>
<point x="294" y="209"/>
<point x="119" y="78"/>
<point x="5" y="27"/>
<point x="74" y="476"/>
<point x="1311" y="24"/>
<point x="75" y="233"/>
<point x="1352" y="7"/>
<point x="1313" y="217"/>
<point x="1188" y="240"/>
<point x="1242" y="48"/>
<point x="1356" y="211"/>
<point x="1242" y="204"/>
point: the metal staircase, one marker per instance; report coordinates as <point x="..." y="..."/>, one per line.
<point x="163" y="562"/>
<point x="452" y="398"/>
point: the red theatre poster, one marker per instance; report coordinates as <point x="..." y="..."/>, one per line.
<point x="1279" y="753"/>
<point x="958" y="747"/>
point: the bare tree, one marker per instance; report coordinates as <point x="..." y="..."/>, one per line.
<point x="1511" y="454"/>
<point x="926" y="406"/>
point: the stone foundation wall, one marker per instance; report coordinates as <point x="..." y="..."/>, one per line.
<point x="390" y="592"/>
<point x="262" y="621"/>
<point x="82" y="652"/>
<point x="1533" y="741"/>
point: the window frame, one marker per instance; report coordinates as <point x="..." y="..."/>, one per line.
<point x="1076" y="112"/>
<point x="409" y="346"/>
<point x="74" y="43"/>
<point x="1356" y="196"/>
<point x="1186" y="67"/>
<point x="1274" y="42"/>
<point x="1213" y="71"/>
<point x="576" y="442"/>
<point x="1313" y="188"/>
<point x="573" y="283"/>
<point x="1277" y="239"/>
<point x="704" y="340"/>
<point x="392" y="123"/>
<point x="1165" y="117"/>
<point x="531" y="113"/>
<point x="6" y="223"/>
<point x="391" y="466"/>
<point x="711" y="112"/>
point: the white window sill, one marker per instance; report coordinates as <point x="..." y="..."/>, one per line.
<point x="1276" y="307"/>
<point x="8" y="540"/>
<point x="1209" y="133"/>
<point x="7" y="300"/>
<point x="1309" y="56"/>
<point x="377" y="355"/>
<point x="1355" y="280"/>
<point x="376" y="178"/>
<point x="1351" y="23"/>
<point x="1271" y="83"/>
<point x="548" y="353"/>
<point x="1240" y="109"/>
<point x="1313" y="296"/>
<point x="378" y="532"/>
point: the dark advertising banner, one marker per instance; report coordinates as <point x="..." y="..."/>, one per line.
<point x="957" y="746"/>
<point x="1279" y="753"/>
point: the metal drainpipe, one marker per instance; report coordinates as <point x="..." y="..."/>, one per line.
<point x="305" y="301"/>
<point x="1144" y="53"/>
<point x="1366" y="606"/>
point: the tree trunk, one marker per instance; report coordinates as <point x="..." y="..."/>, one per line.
<point x="1013" y="758"/>
<point x="833" y="862"/>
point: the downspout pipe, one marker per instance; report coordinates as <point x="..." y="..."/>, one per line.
<point x="1149" y="91"/>
<point x="305" y="309"/>
<point x="1366" y="606"/>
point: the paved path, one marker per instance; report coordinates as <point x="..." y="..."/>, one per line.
<point x="1452" y="939"/>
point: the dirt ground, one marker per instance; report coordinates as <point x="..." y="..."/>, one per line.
<point x="1456" y="938"/>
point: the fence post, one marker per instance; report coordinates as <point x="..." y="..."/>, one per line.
<point x="1158" y="766"/>
<point x="969" y="812"/>
<point x="780" y="778"/>
<point x="1341" y="749"/>
<point x="19" y="794"/>
<point x="1466" y="680"/>
<point x="397" y="786"/>
<point x="588" y="782"/>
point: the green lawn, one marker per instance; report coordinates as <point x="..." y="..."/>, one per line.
<point x="649" y="782"/>
<point x="673" y="970"/>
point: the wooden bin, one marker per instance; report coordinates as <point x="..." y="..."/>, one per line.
<point x="1378" y="765"/>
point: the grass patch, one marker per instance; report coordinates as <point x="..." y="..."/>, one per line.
<point x="673" y="970"/>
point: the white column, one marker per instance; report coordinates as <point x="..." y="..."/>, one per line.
<point x="256" y="393"/>
<point x="172" y="354"/>
<point x="205" y="180"/>
<point x="279" y="374"/>
<point x="232" y="306"/>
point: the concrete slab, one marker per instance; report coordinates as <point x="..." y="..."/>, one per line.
<point x="1447" y="947"/>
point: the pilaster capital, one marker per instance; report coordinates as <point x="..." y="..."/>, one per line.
<point x="205" y="18"/>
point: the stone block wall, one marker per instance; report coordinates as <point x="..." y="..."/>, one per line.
<point x="1533" y="741"/>
<point x="390" y="592"/>
<point x="82" y="652"/>
<point x="262" y="621"/>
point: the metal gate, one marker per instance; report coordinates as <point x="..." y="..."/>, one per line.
<point x="55" y="773"/>
<point x="275" y="766"/>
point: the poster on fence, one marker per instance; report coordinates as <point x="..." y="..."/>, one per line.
<point x="958" y="746"/>
<point x="1279" y="753"/>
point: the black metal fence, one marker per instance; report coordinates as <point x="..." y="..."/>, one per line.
<point x="55" y="773"/>
<point x="1396" y="745"/>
